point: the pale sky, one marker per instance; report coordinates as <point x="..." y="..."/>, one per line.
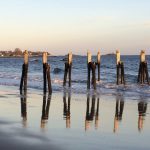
<point x="60" y="26"/>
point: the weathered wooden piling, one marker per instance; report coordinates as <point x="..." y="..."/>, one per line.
<point x="89" y="61"/>
<point x="67" y="71"/>
<point x="98" y="64"/>
<point x="23" y="82"/>
<point x="44" y="72"/>
<point x="91" y="66"/>
<point x="46" y="75"/>
<point x="143" y="75"/>
<point x="120" y="69"/>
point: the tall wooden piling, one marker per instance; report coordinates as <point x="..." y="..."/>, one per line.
<point x="44" y="72"/>
<point x="23" y="82"/>
<point x="120" y="69"/>
<point x="93" y="66"/>
<point x="68" y="69"/>
<point x="117" y="63"/>
<point x="46" y="75"/>
<point x="143" y="74"/>
<point x="98" y="63"/>
<point x="49" y="79"/>
<point x="89" y="60"/>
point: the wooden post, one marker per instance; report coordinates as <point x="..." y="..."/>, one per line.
<point x="44" y="71"/>
<point x="44" y="57"/>
<point x="147" y="74"/>
<point x="93" y="66"/>
<point x="142" y="56"/>
<point x="143" y="69"/>
<point x="70" y="58"/>
<point x="26" y="57"/>
<point x="23" y="81"/>
<point x="26" y="68"/>
<point x="98" y="63"/>
<point x="65" y="73"/>
<point x="122" y="73"/>
<point x="117" y="57"/>
<point x="120" y="69"/>
<point x="70" y="67"/>
<point x="117" y="63"/>
<point x="49" y="79"/>
<point x="89" y="60"/>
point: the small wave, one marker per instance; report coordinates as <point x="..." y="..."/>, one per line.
<point x="57" y="81"/>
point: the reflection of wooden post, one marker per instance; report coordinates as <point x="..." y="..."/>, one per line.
<point x="118" y="112"/>
<point x="23" y="98"/>
<point x="143" y="69"/>
<point x="68" y="67"/>
<point x="97" y="115"/>
<point x="98" y="63"/>
<point x="45" y="110"/>
<point x="142" y="108"/>
<point x="89" y="60"/>
<point x="23" y="81"/>
<point x="120" y="69"/>
<point x="66" y="111"/>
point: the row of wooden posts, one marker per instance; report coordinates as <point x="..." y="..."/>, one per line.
<point x="143" y="75"/>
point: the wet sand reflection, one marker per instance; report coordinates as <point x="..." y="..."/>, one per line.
<point x="66" y="108"/>
<point x="45" y="110"/>
<point x="118" y="112"/>
<point x="90" y="113"/>
<point x="23" y="98"/>
<point x="142" y="108"/>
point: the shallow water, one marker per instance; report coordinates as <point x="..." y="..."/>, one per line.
<point x="71" y="121"/>
<point x="11" y="69"/>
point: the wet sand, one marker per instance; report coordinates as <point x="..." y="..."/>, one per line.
<point x="73" y="121"/>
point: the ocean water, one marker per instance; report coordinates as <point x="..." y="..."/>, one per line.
<point x="11" y="69"/>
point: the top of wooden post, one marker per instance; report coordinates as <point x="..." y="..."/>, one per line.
<point x="25" y="57"/>
<point x="117" y="57"/>
<point x="70" y="58"/>
<point x="44" y="57"/>
<point x="142" y="56"/>
<point x="89" y="57"/>
<point x="98" y="57"/>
